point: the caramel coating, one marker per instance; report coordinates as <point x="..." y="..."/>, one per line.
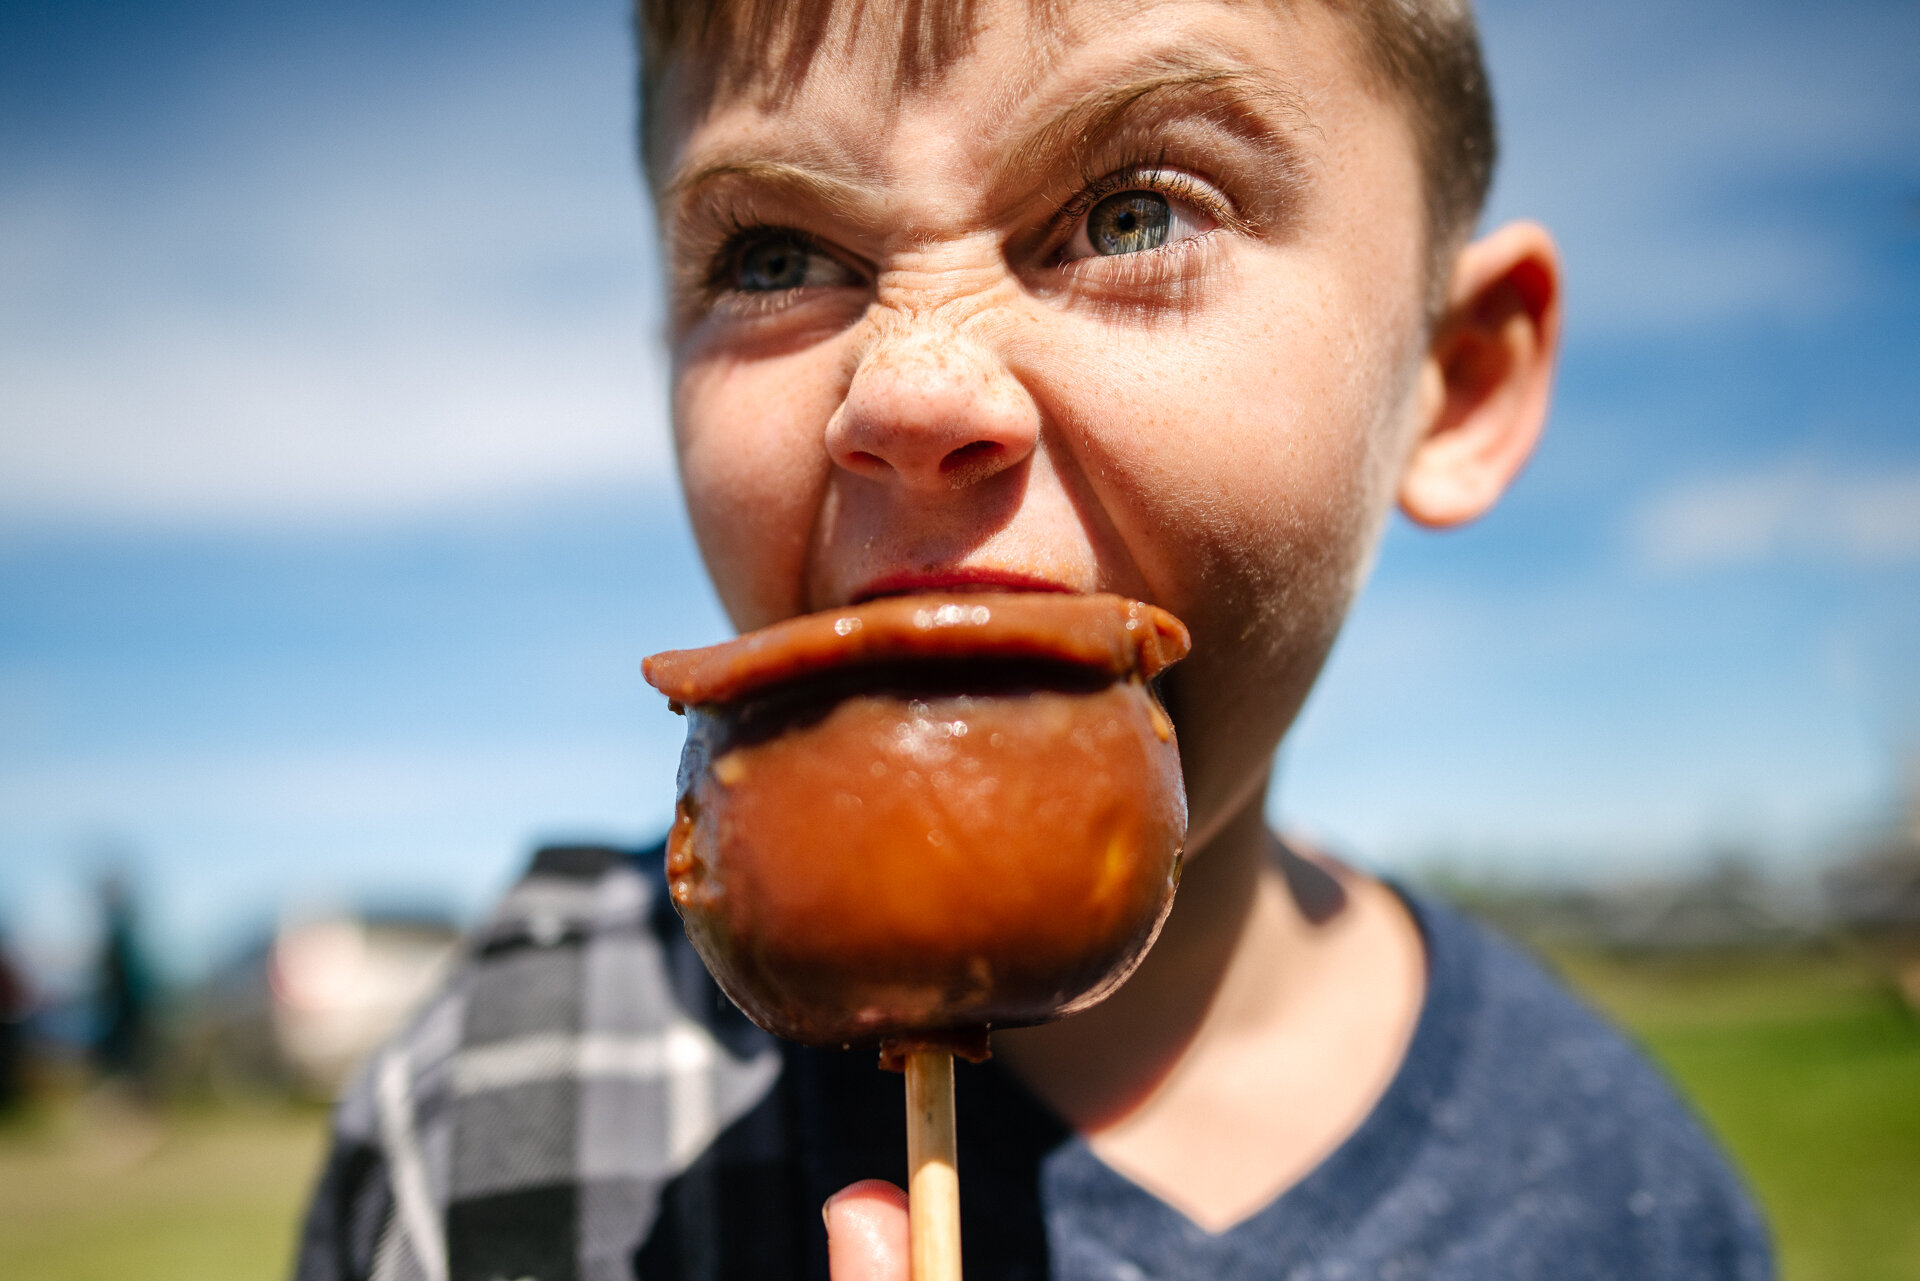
<point x="957" y="813"/>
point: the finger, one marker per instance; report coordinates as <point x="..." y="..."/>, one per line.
<point x="867" y="1232"/>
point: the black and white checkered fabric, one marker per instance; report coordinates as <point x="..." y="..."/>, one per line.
<point x="528" y="1122"/>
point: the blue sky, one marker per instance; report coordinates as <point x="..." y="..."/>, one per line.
<point x="335" y="507"/>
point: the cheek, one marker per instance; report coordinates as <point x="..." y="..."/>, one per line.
<point x="753" y="466"/>
<point x="1238" y="457"/>
<point x="1241" y="462"/>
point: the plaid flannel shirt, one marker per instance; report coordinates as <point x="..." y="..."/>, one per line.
<point x="529" y="1119"/>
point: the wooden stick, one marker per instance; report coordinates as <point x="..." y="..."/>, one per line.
<point x="933" y="1178"/>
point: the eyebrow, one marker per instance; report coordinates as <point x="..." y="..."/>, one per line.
<point x="1241" y="100"/>
<point x="836" y="192"/>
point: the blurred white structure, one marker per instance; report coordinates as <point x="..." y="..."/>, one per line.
<point x="341" y="985"/>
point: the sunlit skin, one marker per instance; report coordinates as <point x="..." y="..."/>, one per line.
<point x="1134" y="300"/>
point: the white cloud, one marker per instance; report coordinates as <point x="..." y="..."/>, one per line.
<point x="211" y="417"/>
<point x="1788" y="512"/>
<point x="1688" y="155"/>
<point x="439" y="293"/>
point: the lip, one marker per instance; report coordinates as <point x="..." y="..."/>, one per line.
<point x="955" y="580"/>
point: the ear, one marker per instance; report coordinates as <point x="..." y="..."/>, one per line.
<point x="1487" y="377"/>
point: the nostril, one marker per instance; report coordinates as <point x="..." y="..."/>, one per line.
<point x="861" y="459"/>
<point x="970" y="460"/>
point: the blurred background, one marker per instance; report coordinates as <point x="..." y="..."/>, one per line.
<point x="336" y="515"/>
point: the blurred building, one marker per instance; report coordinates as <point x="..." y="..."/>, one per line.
<point x="341" y="986"/>
<point x="1729" y="906"/>
<point x="302" y="1007"/>
<point x="1875" y="899"/>
<point x="16" y="1005"/>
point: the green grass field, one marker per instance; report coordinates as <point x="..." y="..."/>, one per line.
<point x="1807" y="1068"/>
<point x="92" y="1192"/>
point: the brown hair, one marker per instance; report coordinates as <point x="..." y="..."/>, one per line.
<point x="1427" y="52"/>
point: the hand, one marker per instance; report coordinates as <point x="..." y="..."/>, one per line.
<point x="867" y="1232"/>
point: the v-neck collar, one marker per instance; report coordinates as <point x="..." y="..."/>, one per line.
<point x="1128" y="1233"/>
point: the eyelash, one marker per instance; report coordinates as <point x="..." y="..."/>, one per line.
<point x="737" y="235"/>
<point x="1153" y="175"/>
<point x="737" y="232"/>
<point x="1132" y="178"/>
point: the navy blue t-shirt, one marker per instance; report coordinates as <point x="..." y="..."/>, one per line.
<point x="1522" y="1137"/>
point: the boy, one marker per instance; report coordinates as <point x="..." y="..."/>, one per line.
<point x="1170" y="300"/>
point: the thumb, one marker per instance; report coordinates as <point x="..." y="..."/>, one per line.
<point x="867" y="1232"/>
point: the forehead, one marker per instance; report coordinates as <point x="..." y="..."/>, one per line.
<point x="769" y="48"/>
<point x="848" y="71"/>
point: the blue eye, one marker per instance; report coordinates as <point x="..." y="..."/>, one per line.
<point x="1128" y="223"/>
<point x="771" y="265"/>
<point x="1135" y="221"/>
<point x="777" y="261"/>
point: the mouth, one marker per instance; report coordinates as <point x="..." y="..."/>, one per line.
<point x="956" y="580"/>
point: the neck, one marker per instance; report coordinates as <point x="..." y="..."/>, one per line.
<point x="1256" y="1036"/>
<point x="1096" y="1067"/>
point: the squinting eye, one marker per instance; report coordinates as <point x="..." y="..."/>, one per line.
<point x="1131" y="222"/>
<point x="780" y="261"/>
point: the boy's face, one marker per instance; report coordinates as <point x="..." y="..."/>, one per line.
<point x="1124" y="299"/>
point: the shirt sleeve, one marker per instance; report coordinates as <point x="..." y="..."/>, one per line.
<point x="535" y="1112"/>
<point x="351" y="1207"/>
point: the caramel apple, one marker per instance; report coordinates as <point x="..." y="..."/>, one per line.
<point x="914" y="819"/>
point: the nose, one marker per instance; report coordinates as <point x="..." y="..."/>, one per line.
<point x="932" y="411"/>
